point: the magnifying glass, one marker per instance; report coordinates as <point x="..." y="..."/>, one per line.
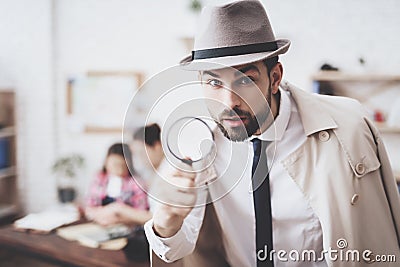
<point x="191" y="140"/>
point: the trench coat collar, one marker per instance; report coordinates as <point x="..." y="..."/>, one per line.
<point x="313" y="116"/>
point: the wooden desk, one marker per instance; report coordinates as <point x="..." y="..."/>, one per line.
<point x="54" y="249"/>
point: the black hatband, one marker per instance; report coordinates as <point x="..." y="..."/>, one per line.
<point x="234" y="50"/>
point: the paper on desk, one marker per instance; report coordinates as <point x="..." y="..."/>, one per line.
<point x="47" y="221"/>
<point x="94" y="235"/>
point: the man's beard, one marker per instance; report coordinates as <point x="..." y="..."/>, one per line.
<point x="244" y="131"/>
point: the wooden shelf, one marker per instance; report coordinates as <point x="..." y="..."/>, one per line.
<point x="7" y="132"/>
<point x="7" y="172"/>
<point x="337" y="76"/>
<point x="7" y="210"/>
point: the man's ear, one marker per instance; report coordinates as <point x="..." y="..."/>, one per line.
<point x="275" y="77"/>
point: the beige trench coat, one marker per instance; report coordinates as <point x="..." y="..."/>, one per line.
<point x="344" y="172"/>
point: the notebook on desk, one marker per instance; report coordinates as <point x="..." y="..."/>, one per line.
<point x="96" y="236"/>
<point x="46" y="221"/>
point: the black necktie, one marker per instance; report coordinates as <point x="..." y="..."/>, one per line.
<point x="262" y="203"/>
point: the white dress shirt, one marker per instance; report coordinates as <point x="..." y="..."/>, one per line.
<point x="295" y="226"/>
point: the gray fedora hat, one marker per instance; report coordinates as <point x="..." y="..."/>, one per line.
<point x="233" y="34"/>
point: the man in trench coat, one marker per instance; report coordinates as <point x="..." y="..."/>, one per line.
<point x="341" y="170"/>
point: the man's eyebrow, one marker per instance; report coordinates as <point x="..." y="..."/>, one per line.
<point x="210" y="73"/>
<point x="245" y="69"/>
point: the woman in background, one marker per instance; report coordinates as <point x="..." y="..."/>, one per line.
<point x="114" y="197"/>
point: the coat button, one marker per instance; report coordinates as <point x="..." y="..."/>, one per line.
<point x="354" y="199"/>
<point x="323" y="136"/>
<point x="360" y="168"/>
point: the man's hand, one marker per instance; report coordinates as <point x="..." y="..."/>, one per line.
<point x="179" y="194"/>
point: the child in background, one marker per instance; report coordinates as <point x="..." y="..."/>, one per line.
<point x="147" y="151"/>
<point x="114" y="197"/>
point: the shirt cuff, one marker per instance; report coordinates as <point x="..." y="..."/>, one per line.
<point x="162" y="246"/>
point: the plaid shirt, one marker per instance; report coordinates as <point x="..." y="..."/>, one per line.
<point x="131" y="193"/>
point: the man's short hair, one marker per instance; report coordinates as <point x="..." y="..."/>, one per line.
<point x="150" y="134"/>
<point x="270" y="63"/>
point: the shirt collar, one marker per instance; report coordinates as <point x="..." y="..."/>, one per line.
<point x="277" y="129"/>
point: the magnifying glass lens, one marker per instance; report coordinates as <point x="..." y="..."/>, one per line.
<point x="190" y="138"/>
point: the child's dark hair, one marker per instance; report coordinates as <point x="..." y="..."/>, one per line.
<point x="124" y="151"/>
<point x="150" y="134"/>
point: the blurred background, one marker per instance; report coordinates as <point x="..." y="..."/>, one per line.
<point x="50" y="48"/>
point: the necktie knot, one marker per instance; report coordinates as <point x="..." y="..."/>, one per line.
<point x="259" y="147"/>
<point x="256" y="146"/>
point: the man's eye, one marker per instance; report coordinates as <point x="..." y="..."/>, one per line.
<point x="245" y="81"/>
<point x="214" y="83"/>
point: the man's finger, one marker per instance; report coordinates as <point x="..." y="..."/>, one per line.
<point x="189" y="175"/>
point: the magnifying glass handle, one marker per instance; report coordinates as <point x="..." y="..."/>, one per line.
<point x="187" y="161"/>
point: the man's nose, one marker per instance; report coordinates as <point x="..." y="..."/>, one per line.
<point x="232" y="99"/>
